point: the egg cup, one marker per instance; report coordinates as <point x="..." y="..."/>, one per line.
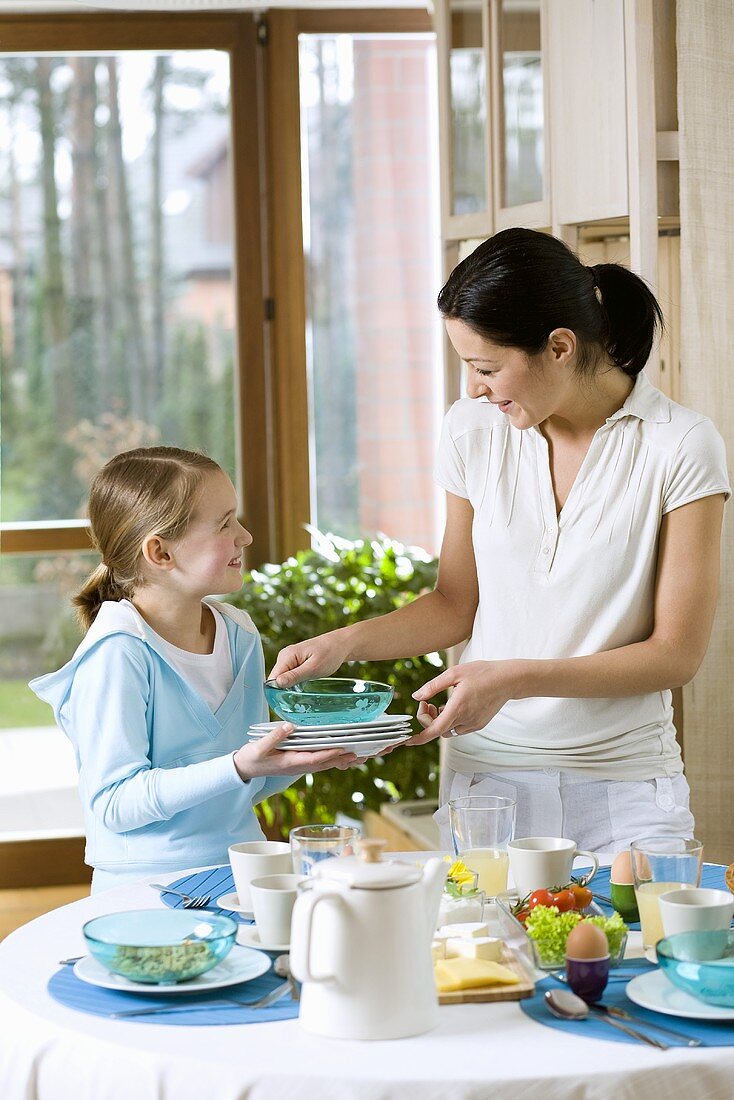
<point x="588" y="977"/>
<point x="622" y="895"/>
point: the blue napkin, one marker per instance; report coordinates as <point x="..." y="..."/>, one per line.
<point x="217" y="881"/>
<point x="191" y="1009"/>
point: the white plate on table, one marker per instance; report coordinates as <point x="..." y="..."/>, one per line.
<point x="653" y="990"/>
<point x="384" y="720"/>
<point x="249" y="936"/>
<point x="242" y="964"/>
<point x="232" y="902"/>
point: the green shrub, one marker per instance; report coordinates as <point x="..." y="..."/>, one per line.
<point x="335" y="584"/>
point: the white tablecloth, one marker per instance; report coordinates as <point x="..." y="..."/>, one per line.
<point x="49" y="1052"/>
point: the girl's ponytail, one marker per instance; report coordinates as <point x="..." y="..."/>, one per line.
<point x="99" y="586"/>
<point x="632" y="316"/>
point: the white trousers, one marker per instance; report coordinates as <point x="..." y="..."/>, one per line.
<point x="600" y="815"/>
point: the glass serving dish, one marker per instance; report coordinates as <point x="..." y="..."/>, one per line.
<point x="160" y="945"/>
<point x="700" y="963"/>
<point x="515" y="936"/>
<point x="332" y="700"/>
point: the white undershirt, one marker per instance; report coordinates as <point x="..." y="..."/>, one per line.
<point x="209" y="674"/>
<point x="579" y="583"/>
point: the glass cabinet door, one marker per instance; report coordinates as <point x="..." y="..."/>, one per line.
<point x="467" y="26"/>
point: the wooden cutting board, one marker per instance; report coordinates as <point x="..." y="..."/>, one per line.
<point x="484" y="994"/>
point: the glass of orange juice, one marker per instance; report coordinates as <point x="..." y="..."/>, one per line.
<point x="481" y="828"/>
<point x="661" y="863"/>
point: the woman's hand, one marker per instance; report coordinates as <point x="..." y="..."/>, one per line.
<point x="319" y="656"/>
<point x="261" y="756"/>
<point x="480" y="690"/>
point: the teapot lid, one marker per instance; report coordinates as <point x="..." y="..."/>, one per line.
<point x="367" y="871"/>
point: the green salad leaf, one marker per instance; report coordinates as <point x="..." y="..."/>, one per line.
<point x="550" y="929"/>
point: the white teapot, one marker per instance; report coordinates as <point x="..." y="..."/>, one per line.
<point x="361" y="944"/>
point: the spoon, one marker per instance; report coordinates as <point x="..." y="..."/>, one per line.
<point x="282" y="967"/>
<point x="567" y="1006"/>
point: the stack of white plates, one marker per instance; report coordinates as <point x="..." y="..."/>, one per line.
<point x="362" y="738"/>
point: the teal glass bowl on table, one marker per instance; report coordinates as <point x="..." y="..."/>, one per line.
<point x="701" y="964"/>
<point x="160" y="945"/>
<point x="329" y="701"/>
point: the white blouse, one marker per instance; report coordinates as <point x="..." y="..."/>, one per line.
<point x="579" y="583"/>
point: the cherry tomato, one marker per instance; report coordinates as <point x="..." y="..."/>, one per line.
<point x="541" y="897"/>
<point x="564" y="901"/>
<point x="582" y="895"/>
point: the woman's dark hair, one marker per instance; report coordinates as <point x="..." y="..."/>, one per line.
<point x="520" y="285"/>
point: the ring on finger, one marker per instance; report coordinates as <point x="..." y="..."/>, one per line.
<point x="454" y="732"/>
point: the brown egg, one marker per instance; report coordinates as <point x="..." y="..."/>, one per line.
<point x="586" y="941"/>
<point x="621" y="869"/>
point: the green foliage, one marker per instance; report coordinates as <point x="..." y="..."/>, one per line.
<point x="335" y="584"/>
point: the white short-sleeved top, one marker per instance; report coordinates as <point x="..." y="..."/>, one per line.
<point x="579" y="583"/>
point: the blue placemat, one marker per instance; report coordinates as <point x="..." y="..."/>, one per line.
<point x="712" y="877"/>
<point x="713" y="1034"/>
<point x="195" y="1008"/>
<point x="217" y="881"/>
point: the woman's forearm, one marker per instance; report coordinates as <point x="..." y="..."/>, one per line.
<point x="429" y="623"/>
<point x="636" y="669"/>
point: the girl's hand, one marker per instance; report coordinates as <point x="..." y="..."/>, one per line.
<point x="261" y="756"/>
<point x="307" y="660"/>
<point x="480" y="690"/>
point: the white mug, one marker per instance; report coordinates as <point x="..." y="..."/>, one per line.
<point x="273" y="898"/>
<point x="253" y="859"/>
<point x="542" y="861"/>
<point x="696" y="910"/>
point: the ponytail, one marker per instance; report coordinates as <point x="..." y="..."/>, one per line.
<point x="99" y="586"/>
<point x="520" y="285"/>
<point x="632" y="316"/>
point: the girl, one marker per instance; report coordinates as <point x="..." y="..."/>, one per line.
<point x="581" y="553"/>
<point x="158" y="698"/>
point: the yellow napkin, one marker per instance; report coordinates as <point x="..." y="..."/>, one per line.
<point x="454" y="974"/>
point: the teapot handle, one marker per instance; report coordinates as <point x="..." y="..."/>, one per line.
<point x="301" y="945"/>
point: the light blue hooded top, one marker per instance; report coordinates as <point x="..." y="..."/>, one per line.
<point x="157" y="779"/>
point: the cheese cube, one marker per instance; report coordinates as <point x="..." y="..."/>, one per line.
<point x="484" y="947"/>
<point x="438" y="950"/>
<point x="474" y="930"/>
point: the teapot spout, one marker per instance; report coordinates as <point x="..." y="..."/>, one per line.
<point x="434" y="877"/>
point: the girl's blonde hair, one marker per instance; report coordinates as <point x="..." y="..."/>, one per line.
<point x="151" y="490"/>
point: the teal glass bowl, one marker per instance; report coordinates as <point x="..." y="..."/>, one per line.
<point x="329" y="701"/>
<point x="160" y="945"/>
<point x="700" y="963"/>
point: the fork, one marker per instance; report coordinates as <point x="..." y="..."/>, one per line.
<point x="224" y="1002"/>
<point x="194" y="901"/>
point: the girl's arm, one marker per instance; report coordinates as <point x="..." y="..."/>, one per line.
<point x="437" y="620"/>
<point x="107" y="714"/>
<point x="686" y="591"/>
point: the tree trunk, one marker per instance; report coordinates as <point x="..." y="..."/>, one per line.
<point x="135" y="351"/>
<point x="55" y="317"/>
<point x="156" y="231"/>
<point x="83" y="103"/>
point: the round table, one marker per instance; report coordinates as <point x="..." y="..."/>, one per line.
<point x="49" y="1052"/>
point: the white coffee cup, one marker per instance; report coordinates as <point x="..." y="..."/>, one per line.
<point x="253" y="859"/>
<point x="273" y="898"/>
<point x="541" y="861"/>
<point x="696" y="910"/>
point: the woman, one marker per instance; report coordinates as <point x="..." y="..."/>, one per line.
<point x="581" y="553"/>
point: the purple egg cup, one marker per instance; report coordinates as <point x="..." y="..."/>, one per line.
<point x="588" y="977"/>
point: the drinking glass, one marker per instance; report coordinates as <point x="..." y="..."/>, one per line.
<point x="659" y="864"/>
<point x="312" y="843"/>
<point x="481" y="828"/>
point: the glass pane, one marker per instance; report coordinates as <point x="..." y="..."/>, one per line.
<point x="468" y="108"/>
<point x="372" y="242"/>
<point x="116" y="289"/>
<point x="522" y="78"/>
<point x="38" y="776"/>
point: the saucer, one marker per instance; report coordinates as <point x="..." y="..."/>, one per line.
<point x="248" y="936"/>
<point x="232" y="902"/>
<point x="653" y="990"/>
<point x="240" y="965"/>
